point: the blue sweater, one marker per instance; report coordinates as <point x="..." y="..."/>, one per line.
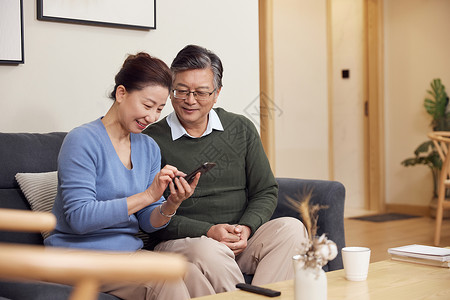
<point x="93" y="184"/>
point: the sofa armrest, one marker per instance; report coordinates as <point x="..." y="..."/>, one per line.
<point x="324" y="192"/>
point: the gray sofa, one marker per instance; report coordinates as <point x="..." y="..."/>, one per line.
<point x="36" y="153"/>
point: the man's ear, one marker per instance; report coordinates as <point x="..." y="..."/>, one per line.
<point x="217" y="92"/>
<point x="121" y="91"/>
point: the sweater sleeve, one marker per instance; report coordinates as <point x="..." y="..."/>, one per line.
<point x="144" y="214"/>
<point x="262" y="187"/>
<point x="182" y="227"/>
<point x="77" y="182"/>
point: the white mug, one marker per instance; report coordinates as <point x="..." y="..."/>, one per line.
<point x="356" y="262"/>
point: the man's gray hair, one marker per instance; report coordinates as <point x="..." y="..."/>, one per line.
<point x="194" y="57"/>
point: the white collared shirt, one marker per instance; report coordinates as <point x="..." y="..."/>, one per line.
<point x="178" y="130"/>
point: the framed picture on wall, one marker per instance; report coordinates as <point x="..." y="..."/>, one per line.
<point x="132" y="14"/>
<point x="11" y="32"/>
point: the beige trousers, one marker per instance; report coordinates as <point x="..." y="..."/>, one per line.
<point x="163" y="290"/>
<point x="268" y="255"/>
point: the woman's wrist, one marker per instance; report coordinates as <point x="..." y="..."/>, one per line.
<point x="167" y="210"/>
<point x="150" y="197"/>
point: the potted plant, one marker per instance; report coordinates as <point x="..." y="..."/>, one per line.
<point x="437" y="106"/>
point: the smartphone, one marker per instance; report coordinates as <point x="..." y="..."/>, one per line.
<point x="205" y="167"/>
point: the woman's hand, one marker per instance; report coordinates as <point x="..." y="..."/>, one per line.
<point x="164" y="178"/>
<point x="182" y="191"/>
<point x="155" y="191"/>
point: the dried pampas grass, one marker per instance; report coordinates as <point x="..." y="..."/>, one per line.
<point x="319" y="250"/>
<point x="308" y="212"/>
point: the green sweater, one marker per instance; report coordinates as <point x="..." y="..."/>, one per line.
<point x="241" y="189"/>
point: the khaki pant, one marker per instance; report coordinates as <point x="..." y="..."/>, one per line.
<point x="268" y="255"/>
<point x="163" y="290"/>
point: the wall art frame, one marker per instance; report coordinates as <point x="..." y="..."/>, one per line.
<point x="11" y="32"/>
<point x="130" y="14"/>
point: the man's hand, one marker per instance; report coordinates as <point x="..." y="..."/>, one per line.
<point x="244" y="233"/>
<point x="223" y="233"/>
<point x="233" y="236"/>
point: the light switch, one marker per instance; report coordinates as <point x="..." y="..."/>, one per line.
<point x="346" y="74"/>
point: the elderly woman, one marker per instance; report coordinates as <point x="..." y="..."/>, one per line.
<point x="110" y="182"/>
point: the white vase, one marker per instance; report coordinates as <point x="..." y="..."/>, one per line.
<point x="309" y="283"/>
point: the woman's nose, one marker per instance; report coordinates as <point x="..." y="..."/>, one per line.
<point x="150" y="118"/>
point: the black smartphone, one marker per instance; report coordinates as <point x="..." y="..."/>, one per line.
<point x="205" y="167"/>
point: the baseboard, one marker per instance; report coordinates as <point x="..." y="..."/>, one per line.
<point x="418" y="210"/>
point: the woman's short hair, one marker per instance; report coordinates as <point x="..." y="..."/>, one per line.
<point x="141" y="70"/>
<point x="195" y="57"/>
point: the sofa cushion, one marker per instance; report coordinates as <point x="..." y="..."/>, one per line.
<point x="40" y="190"/>
<point x="27" y="153"/>
<point x="24" y="153"/>
<point x="14" y="199"/>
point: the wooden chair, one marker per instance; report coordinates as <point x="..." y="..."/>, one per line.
<point x="84" y="269"/>
<point x="441" y="140"/>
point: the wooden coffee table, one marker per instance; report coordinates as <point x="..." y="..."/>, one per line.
<point x="386" y="280"/>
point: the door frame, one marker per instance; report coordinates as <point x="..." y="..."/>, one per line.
<point x="266" y="79"/>
<point x="374" y="98"/>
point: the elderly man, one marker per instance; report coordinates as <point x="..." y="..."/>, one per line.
<point x="224" y="226"/>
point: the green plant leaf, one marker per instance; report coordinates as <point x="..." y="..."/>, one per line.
<point x="435" y="160"/>
<point x="410" y="162"/>
<point x="424" y="148"/>
<point x="437" y="104"/>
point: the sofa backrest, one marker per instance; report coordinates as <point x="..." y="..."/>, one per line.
<point x="24" y="153"/>
<point x="27" y="153"/>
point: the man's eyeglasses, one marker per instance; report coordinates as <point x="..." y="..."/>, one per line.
<point x="198" y="95"/>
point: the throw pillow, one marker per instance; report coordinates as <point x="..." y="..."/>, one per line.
<point x="40" y="191"/>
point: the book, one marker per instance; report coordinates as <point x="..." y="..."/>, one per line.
<point x="423" y="261"/>
<point x="422" y="252"/>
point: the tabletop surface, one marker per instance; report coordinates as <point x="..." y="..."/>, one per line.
<point x="386" y="280"/>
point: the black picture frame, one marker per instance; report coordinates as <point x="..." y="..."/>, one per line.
<point x="11" y="33"/>
<point x="107" y="13"/>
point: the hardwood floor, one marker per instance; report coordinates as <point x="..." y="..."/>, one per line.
<point x="381" y="236"/>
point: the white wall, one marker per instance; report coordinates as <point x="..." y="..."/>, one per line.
<point x="300" y="63"/>
<point x="417" y="43"/>
<point x="69" y="69"/>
